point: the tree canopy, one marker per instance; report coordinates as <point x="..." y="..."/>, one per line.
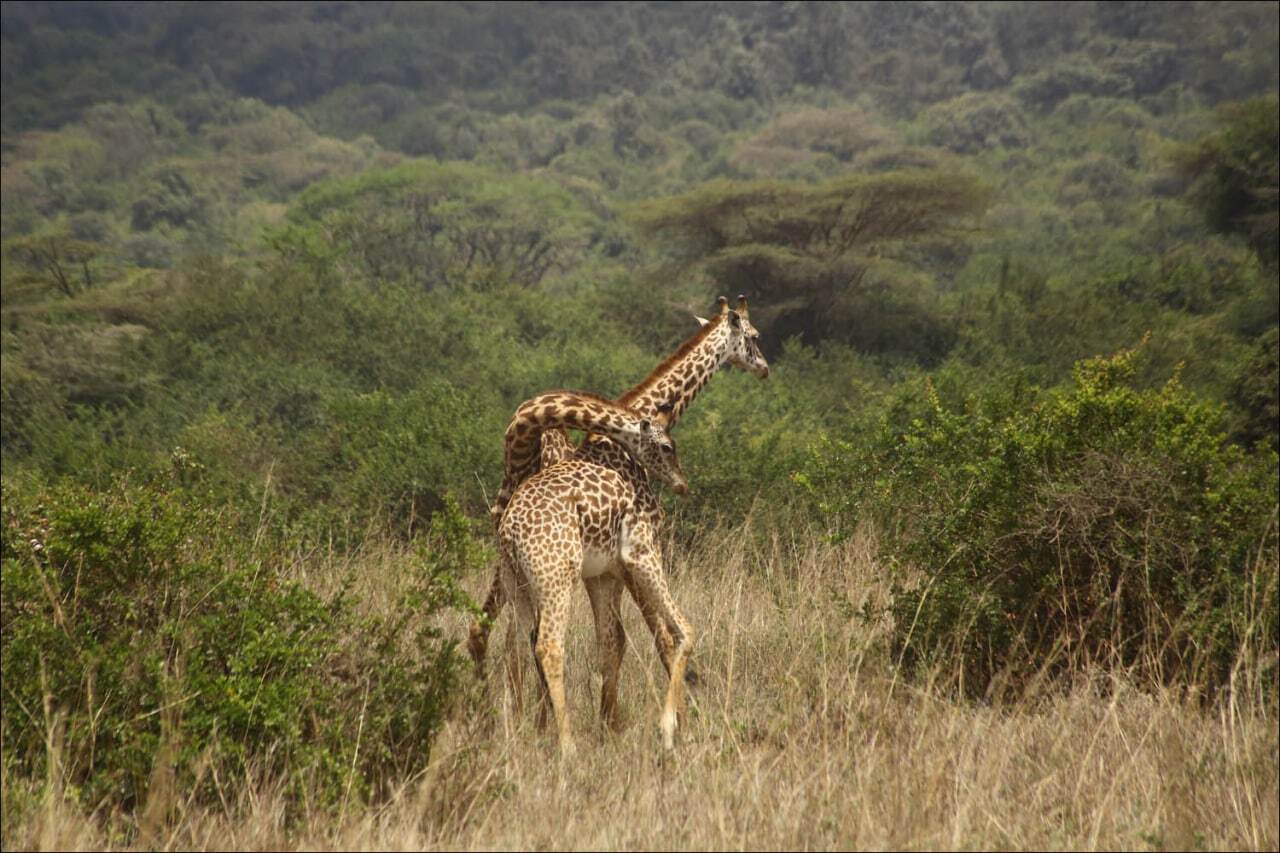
<point x="842" y="259"/>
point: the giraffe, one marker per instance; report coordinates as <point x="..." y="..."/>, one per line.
<point x="728" y="338"/>
<point x="552" y="412"/>
<point x="582" y="519"/>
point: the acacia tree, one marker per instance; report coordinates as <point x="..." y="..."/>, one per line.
<point x="436" y="224"/>
<point x="55" y="260"/>
<point x="843" y="259"/>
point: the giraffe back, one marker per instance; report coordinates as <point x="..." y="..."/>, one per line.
<point x="551" y="413"/>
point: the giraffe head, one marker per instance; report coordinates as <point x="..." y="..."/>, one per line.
<point x="655" y="450"/>
<point x="743" y="349"/>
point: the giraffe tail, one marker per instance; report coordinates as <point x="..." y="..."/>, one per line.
<point x="478" y="636"/>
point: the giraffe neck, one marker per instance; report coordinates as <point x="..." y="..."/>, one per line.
<point x="558" y="410"/>
<point x="676" y="381"/>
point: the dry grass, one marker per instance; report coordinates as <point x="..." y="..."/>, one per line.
<point x="798" y="736"/>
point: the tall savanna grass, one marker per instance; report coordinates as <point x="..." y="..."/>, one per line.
<point x="801" y="732"/>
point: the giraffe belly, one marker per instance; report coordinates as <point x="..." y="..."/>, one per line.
<point x="596" y="561"/>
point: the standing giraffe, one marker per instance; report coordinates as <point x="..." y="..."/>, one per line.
<point x="728" y="338"/>
<point x="581" y="519"/>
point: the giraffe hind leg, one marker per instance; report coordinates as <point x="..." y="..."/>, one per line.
<point x="605" y="593"/>
<point x="544" y="694"/>
<point x="549" y="652"/>
<point x="523" y="619"/>
<point x="541" y="585"/>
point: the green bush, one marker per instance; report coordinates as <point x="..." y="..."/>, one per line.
<point x="1235" y="172"/>
<point x="435" y="224"/>
<point x="1096" y="524"/>
<point x="143" y="632"/>
<point x="976" y="121"/>
<point x="392" y="461"/>
<point x="169" y="198"/>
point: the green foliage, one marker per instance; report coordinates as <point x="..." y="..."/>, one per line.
<point x="390" y="458"/>
<point x="142" y="633"/>
<point x="1094" y="524"/>
<point x="435" y="224"/>
<point x="1256" y="391"/>
<point x="976" y="121"/>
<point x="1046" y="89"/>
<point x="59" y="262"/>
<point x="1236" y="174"/>
<point x="167" y="198"/>
<point x="811" y="136"/>
<point x="216" y="237"/>
<point x="829" y="260"/>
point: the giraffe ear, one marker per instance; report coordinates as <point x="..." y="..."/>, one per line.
<point x="645" y="426"/>
<point x="663" y="418"/>
<point x="702" y="321"/>
<point x="735" y="319"/>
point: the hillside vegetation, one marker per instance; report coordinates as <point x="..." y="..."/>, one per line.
<point x="276" y="275"/>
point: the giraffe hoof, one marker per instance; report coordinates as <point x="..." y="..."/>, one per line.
<point x="667" y="725"/>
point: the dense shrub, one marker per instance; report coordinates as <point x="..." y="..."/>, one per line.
<point x="837" y="260"/>
<point x="144" y="634"/>
<point x="1092" y="524"/>
<point x="976" y="121"/>
<point x="168" y="198"/>
<point x="393" y="460"/>
<point x="1047" y="88"/>
<point x="1235" y="173"/>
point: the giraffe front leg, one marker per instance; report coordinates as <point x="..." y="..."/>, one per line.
<point x="605" y="593"/>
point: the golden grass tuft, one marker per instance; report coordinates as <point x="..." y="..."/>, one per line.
<point x="798" y="735"/>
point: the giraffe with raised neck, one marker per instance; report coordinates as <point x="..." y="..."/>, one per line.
<point x="728" y="338"/>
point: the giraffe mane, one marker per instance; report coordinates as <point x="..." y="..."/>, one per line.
<point x="685" y="348"/>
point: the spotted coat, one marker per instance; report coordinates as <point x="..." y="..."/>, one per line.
<point x="553" y="412"/>
<point x="611" y="537"/>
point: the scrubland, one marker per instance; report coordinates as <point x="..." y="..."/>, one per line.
<point x="989" y="561"/>
<point x="799" y="733"/>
